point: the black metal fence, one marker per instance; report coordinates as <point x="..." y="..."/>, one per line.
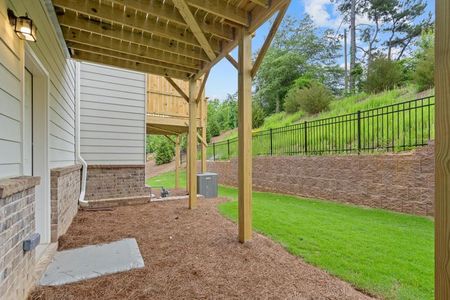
<point x="397" y="127"/>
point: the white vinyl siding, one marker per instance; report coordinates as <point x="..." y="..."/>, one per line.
<point x="112" y="115"/>
<point x="11" y="73"/>
<point x="61" y="97"/>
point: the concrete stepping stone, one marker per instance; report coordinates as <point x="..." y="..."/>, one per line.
<point x="92" y="261"/>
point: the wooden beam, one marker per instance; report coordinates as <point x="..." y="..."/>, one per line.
<point x="268" y="41"/>
<point x="163" y="131"/>
<point x="222" y="9"/>
<point x="263" y="3"/>
<point x="202" y="140"/>
<point x="442" y="151"/>
<point x="125" y="56"/>
<point x="71" y="20"/>
<point x="192" y="144"/>
<point x="179" y="90"/>
<point x="177" y="162"/>
<point x="204" y="147"/>
<point x="129" y="19"/>
<point x="187" y="15"/>
<point x="168" y="137"/>
<point x="258" y="16"/>
<point x="169" y="13"/>
<point x="127" y="64"/>
<point x="201" y="90"/>
<point x="245" y="136"/>
<point x="232" y="61"/>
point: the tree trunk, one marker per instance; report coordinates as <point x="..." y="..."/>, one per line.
<point x="353" y="44"/>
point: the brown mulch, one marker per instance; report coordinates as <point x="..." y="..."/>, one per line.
<point x="192" y="254"/>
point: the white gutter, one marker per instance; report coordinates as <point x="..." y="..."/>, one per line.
<point x="81" y="200"/>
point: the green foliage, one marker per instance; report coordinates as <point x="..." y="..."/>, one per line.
<point x="222" y="115"/>
<point x="297" y="51"/>
<point x="313" y="98"/>
<point x="258" y="115"/>
<point x="423" y="76"/>
<point x="383" y="75"/>
<point x="165" y="152"/>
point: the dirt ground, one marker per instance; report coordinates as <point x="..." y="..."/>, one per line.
<point x="152" y="170"/>
<point x="192" y="254"/>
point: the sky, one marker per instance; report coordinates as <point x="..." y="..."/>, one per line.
<point x="223" y="77"/>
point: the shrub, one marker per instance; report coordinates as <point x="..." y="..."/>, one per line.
<point x="258" y="115"/>
<point x="213" y="127"/>
<point x="424" y="74"/>
<point x="164" y="153"/>
<point x="312" y="99"/>
<point x="383" y="74"/>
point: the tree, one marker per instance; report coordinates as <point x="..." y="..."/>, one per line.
<point x="297" y="50"/>
<point x="165" y="152"/>
<point x="424" y="61"/>
<point x="383" y="74"/>
<point x="313" y="98"/>
<point x="402" y="25"/>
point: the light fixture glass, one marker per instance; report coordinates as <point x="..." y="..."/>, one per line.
<point x="25" y="28"/>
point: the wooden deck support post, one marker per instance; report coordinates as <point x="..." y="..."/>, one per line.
<point x="203" y="128"/>
<point x="245" y="136"/>
<point x="192" y="139"/>
<point x="177" y="162"/>
<point x="187" y="163"/>
<point x="442" y="151"/>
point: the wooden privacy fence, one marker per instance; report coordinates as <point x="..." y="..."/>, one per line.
<point x="392" y="128"/>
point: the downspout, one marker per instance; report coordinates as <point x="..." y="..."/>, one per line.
<point x="81" y="200"/>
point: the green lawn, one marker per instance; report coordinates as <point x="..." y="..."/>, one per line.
<point x="387" y="254"/>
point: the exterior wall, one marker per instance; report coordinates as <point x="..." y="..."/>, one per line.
<point x="61" y="70"/>
<point x="116" y="181"/>
<point x="112" y="115"/>
<point x="18" y="210"/>
<point x="17" y="201"/>
<point x="399" y="182"/>
<point x="65" y="191"/>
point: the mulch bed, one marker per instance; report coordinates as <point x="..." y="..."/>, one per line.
<point x="192" y="254"/>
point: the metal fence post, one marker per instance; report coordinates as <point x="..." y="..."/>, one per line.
<point x="271" y="142"/>
<point x="228" y="148"/>
<point x="306" y="137"/>
<point x="359" y="131"/>
<point x="214" y="151"/>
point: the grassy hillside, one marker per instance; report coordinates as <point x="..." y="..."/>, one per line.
<point x="404" y="128"/>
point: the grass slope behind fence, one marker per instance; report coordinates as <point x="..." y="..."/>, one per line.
<point x="397" y="127"/>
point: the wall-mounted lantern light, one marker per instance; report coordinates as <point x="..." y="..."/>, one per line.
<point x="23" y="26"/>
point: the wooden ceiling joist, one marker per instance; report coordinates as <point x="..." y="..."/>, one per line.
<point x="76" y="37"/>
<point x="71" y="20"/>
<point x="130" y="57"/>
<point x="170" y="13"/>
<point x="180" y="39"/>
<point x="222" y="9"/>
<point x="127" y="64"/>
<point x="184" y="10"/>
<point x="130" y="19"/>
<point x="263" y="3"/>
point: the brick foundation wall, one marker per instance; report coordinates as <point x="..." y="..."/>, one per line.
<point x="17" y="205"/>
<point x="115" y="181"/>
<point x="65" y="192"/>
<point x="400" y="182"/>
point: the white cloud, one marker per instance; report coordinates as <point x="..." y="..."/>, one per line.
<point x="319" y="10"/>
<point x="326" y="14"/>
